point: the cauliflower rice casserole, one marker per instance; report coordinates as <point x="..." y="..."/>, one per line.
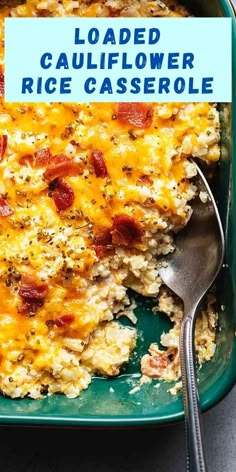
<point x="91" y="196"/>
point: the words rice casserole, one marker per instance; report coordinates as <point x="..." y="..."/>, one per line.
<point x="90" y="197"/>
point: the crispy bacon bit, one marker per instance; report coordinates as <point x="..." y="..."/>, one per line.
<point x="126" y="230"/>
<point x="42" y="157"/>
<point x="29" y="307"/>
<point x="26" y="159"/>
<point x="64" y="320"/>
<point x="154" y="363"/>
<point x="99" y="164"/>
<point x="144" y="180"/>
<point x="2" y="84"/>
<point x="59" y="165"/>
<point x="62" y="166"/>
<point x="5" y="209"/>
<point x="103" y="238"/>
<point x="59" y="158"/>
<point x="159" y="362"/>
<point x="63" y="195"/>
<point x="102" y="242"/>
<point x="3" y="145"/>
<point x="42" y="13"/>
<point x="32" y="293"/>
<point x="32" y="289"/>
<point x="100" y="251"/>
<point x="49" y="323"/>
<point x="138" y="115"/>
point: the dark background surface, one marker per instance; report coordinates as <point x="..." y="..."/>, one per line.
<point x="26" y="449"/>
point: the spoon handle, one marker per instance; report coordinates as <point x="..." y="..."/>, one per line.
<point x="195" y="457"/>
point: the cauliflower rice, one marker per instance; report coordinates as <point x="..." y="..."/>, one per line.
<point x="90" y="197"/>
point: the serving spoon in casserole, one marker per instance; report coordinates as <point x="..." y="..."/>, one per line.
<point x="190" y="271"/>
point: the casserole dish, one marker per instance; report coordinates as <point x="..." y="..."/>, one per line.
<point x="117" y="402"/>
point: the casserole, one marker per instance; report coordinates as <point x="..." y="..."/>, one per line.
<point x="151" y="403"/>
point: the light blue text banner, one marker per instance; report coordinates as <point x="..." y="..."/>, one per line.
<point x="121" y="60"/>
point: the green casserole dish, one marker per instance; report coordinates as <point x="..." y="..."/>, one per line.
<point x="108" y="402"/>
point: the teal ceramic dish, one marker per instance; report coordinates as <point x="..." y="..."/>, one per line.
<point x="108" y="403"/>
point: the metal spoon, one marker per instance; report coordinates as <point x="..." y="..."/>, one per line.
<point x="191" y="270"/>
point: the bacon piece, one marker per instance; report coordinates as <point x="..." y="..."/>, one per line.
<point x="154" y="364"/>
<point x="126" y="230"/>
<point x="32" y="289"/>
<point x="29" y="307"/>
<point x="59" y="158"/>
<point x="42" y="157"/>
<point x="99" y="164"/>
<point x="32" y="293"/>
<point x="144" y="180"/>
<point x="102" y="242"/>
<point x="3" y="145"/>
<point x="62" y="166"/>
<point x="2" y="84"/>
<point x="26" y="159"/>
<point x="64" y="320"/>
<point x="138" y="115"/>
<point x="42" y="13"/>
<point x="100" y="251"/>
<point x="5" y="209"/>
<point x="103" y="238"/>
<point x="159" y="362"/>
<point x="63" y="195"/>
<point x="63" y="169"/>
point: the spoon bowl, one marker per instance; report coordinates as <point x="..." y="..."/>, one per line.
<point x="189" y="272"/>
